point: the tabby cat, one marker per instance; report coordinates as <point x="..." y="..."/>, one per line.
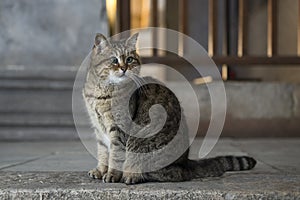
<point x="112" y="81"/>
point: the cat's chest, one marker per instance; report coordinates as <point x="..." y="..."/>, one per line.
<point x="115" y="112"/>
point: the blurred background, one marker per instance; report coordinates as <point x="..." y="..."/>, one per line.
<point x="255" y="43"/>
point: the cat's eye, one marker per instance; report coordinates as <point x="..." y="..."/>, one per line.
<point x="114" y="61"/>
<point x="129" y="60"/>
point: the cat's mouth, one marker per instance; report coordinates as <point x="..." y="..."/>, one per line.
<point x="123" y="75"/>
<point x="117" y="77"/>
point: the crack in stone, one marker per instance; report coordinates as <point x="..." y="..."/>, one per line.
<point x="238" y="146"/>
<point x="26" y="161"/>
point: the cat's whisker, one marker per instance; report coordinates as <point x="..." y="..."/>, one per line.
<point x="142" y="82"/>
<point x="138" y="82"/>
<point x="141" y="87"/>
<point x="135" y="81"/>
<point x="130" y="75"/>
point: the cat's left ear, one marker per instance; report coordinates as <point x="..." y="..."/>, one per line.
<point x="100" y="41"/>
<point x="131" y="41"/>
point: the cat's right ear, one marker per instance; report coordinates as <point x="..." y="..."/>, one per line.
<point x="100" y="42"/>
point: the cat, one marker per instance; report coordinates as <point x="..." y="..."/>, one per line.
<point x="113" y="83"/>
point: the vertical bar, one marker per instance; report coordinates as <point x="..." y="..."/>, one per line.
<point x="163" y="15"/>
<point x="212" y="27"/>
<point x="272" y="28"/>
<point x="111" y="9"/>
<point x="118" y="13"/>
<point x="233" y="15"/>
<point x="242" y="28"/>
<point x="225" y="46"/>
<point x="123" y="16"/>
<point x="162" y="23"/>
<point x="154" y="22"/>
<point x="182" y="24"/>
<point x="125" y="21"/>
<point x="172" y="19"/>
<point x="225" y="29"/>
<point x="298" y="29"/>
<point x="182" y="16"/>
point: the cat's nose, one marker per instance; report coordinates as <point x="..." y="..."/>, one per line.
<point x="123" y="68"/>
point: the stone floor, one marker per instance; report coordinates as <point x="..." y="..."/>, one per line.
<point x="43" y="170"/>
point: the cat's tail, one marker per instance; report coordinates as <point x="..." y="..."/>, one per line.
<point x="219" y="165"/>
<point x="211" y="167"/>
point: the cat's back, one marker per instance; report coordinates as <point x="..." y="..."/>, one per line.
<point x="154" y="92"/>
<point x="164" y="104"/>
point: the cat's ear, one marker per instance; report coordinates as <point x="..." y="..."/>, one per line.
<point x="131" y="41"/>
<point x="100" y="41"/>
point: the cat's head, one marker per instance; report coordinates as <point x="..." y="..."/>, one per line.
<point x="115" y="61"/>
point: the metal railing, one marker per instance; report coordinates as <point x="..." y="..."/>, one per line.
<point x="225" y="59"/>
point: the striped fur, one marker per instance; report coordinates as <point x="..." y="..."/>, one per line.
<point x="192" y="169"/>
<point x="219" y="165"/>
<point x="113" y="73"/>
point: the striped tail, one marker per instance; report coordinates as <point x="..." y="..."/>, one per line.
<point x="219" y="165"/>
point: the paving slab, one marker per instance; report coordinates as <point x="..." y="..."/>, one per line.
<point x="76" y="185"/>
<point x="58" y="170"/>
<point x="45" y="156"/>
<point x="281" y="154"/>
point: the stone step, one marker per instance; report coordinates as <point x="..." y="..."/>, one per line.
<point x="37" y="133"/>
<point x="36" y="103"/>
<point x="39" y="101"/>
<point x="58" y="170"/>
<point x="76" y="185"/>
<point x="39" y="126"/>
<point x="35" y="84"/>
<point x="35" y="95"/>
<point x="37" y="119"/>
<point x="41" y="98"/>
<point x="38" y="72"/>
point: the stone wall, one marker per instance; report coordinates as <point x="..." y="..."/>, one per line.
<point x="49" y="32"/>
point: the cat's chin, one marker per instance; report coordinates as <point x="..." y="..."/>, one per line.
<point x="117" y="79"/>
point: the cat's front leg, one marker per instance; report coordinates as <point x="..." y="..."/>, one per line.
<point x="133" y="165"/>
<point x="102" y="157"/>
<point x="132" y="178"/>
<point x="116" y="157"/>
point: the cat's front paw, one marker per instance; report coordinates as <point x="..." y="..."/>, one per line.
<point x="95" y="174"/>
<point x="132" y="178"/>
<point x="112" y="176"/>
